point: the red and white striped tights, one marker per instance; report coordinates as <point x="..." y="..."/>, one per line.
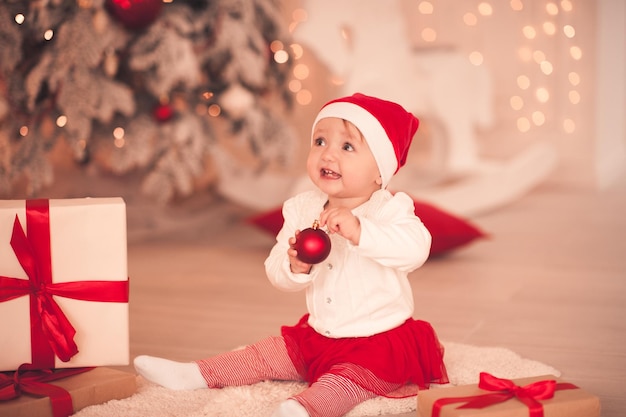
<point x="330" y="396"/>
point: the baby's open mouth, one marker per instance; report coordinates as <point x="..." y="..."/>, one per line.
<point x="329" y="174"/>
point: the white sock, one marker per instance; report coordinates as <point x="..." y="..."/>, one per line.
<point x="170" y="374"/>
<point x="290" y="408"/>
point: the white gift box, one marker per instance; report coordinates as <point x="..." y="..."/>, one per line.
<point x="87" y="243"/>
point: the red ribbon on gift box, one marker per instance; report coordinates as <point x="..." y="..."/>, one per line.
<point x="36" y="382"/>
<point x="504" y="390"/>
<point x="51" y="331"/>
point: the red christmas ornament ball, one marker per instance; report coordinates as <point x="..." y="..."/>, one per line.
<point x="135" y="14"/>
<point x="312" y="245"/>
<point x="163" y="112"/>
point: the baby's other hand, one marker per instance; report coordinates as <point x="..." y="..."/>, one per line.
<point x="341" y="221"/>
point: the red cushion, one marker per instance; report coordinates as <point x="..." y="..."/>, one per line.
<point x="448" y="231"/>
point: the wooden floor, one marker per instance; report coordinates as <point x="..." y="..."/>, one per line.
<point x="550" y="284"/>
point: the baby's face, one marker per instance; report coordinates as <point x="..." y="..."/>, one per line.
<point x="340" y="162"/>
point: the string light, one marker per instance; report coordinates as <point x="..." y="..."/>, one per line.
<point x="118" y="132"/>
<point x="539" y="56"/>
<point x="542" y="94"/>
<point x="276" y="46"/>
<point x="429" y="34"/>
<point x="296" y="50"/>
<point x="538" y="98"/>
<point x="549" y="28"/>
<point x="214" y="110"/>
<point x="538" y="118"/>
<point x="281" y="56"/>
<point x="301" y="71"/>
<point x="295" y="86"/>
<point x="304" y="97"/>
<point x="552" y="9"/>
<point x="485" y="9"/>
<point x="523" y="82"/>
<point x="574" y="97"/>
<point x="546" y="67"/>
<point x="299" y="15"/>
<point x="566" y="5"/>
<point x="476" y="58"/>
<point x="61" y="121"/>
<point x="529" y="32"/>
<point x="576" y="52"/>
<point x="118" y="137"/>
<point x="425" y="7"/>
<point x="573" y="78"/>
<point x="516" y="102"/>
<point x="569" y="126"/>
<point x="470" y="19"/>
<point x="525" y="54"/>
<point x="517" y="5"/>
<point x="523" y="124"/>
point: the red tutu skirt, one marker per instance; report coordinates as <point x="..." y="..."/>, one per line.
<point x="408" y="357"/>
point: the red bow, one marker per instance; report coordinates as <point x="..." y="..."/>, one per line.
<point x="51" y="331"/>
<point x="504" y="390"/>
<point x="36" y="383"/>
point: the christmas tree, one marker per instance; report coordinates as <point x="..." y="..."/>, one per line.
<point x="150" y="87"/>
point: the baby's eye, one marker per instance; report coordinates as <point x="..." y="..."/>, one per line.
<point x="319" y="142"/>
<point x="348" y="147"/>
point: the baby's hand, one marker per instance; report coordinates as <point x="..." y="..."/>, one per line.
<point x="341" y="221"/>
<point x="296" y="265"/>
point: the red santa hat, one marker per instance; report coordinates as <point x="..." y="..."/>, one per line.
<point x="386" y="126"/>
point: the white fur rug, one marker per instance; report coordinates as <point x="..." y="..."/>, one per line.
<point x="464" y="363"/>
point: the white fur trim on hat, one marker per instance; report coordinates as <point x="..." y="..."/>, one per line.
<point x="372" y="131"/>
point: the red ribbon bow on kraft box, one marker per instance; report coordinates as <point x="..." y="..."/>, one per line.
<point x="37" y="383"/>
<point x="61" y="392"/>
<point x="535" y="397"/>
<point x="56" y="277"/>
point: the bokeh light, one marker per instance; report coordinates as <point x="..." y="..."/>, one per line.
<point x="470" y="19"/>
<point x="517" y="103"/>
<point x="485" y="9"/>
<point x="425" y="7"/>
<point x="429" y="34"/>
<point x="476" y="58"/>
<point x="61" y="121"/>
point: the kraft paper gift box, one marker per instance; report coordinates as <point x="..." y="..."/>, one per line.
<point x="63" y="270"/>
<point x="96" y="386"/>
<point x="541" y="396"/>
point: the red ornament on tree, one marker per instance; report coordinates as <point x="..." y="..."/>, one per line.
<point x="135" y="14"/>
<point x="163" y="112"/>
<point x="312" y="244"/>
